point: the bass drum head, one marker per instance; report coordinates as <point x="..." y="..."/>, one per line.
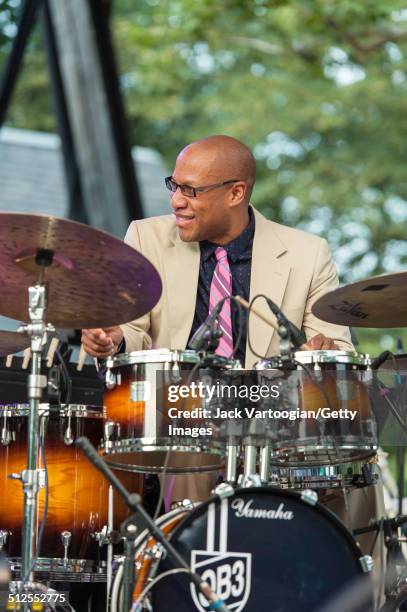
<point x="261" y="550"/>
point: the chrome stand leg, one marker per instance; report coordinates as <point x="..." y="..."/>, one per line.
<point x="250" y="460"/>
<point x="109" y="546"/>
<point x="38" y="330"/>
<point x="232" y="451"/>
<point x="265" y="464"/>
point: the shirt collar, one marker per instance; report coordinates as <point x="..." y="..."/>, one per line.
<point x="237" y="247"/>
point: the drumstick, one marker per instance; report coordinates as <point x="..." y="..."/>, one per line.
<point x="264" y="318"/>
<point x="53" y="345"/>
<point x="26" y="358"/>
<point x="261" y="316"/>
<point x="81" y="359"/>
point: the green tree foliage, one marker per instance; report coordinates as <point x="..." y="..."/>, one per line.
<point x="317" y="88"/>
<point x="31" y="104"/>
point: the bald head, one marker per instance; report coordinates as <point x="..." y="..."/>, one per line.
<point x="214" y="178"/>
<point x="225" y="158"/>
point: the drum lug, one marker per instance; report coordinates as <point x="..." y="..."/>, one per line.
<point x="224" y="490"/>
<point x="110" y="427"/>
<point x="367" y="563"/>
<point x="68" y="438"/>
<point x="5" y="438"/>
<point x="66" y="537"/>
<point x="6" y="435"/>
<point x="317" y="371"/>
<point x="110" y="379"/>
<point x="3" y="538"/>
<point x="310" y="497"/>
<point x="175" y="375"/>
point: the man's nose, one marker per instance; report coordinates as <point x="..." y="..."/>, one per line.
<point x="178" y="200"/>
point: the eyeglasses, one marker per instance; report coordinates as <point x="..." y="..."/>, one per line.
<point x="192" y="191"/>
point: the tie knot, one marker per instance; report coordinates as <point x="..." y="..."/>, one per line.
<point x="220" y="253"/>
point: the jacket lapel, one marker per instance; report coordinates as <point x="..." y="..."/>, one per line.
<point x="269" y="275"/>
<point x="181" y="265"/>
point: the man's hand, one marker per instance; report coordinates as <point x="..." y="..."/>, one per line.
<point x="319" y="342"/>
<point x="102" y="342"/>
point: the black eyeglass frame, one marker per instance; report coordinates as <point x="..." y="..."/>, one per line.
<point x="169" y="183"/>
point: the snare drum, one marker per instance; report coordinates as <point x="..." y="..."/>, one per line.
<point x="260" y="549"/>
<point x="323" y="415"/>
<point x="139" y="431"/>
<point x="78" y="495"/>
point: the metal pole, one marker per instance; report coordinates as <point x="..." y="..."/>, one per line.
<point x="250" y="460"/>
<point x="30" y="478"/>
<point x="265" y="463"/>
<point x="76" y="205"/>
<point x="232" y="451"/>
<point x="13" y="65"/>
<point x="37" y="329"/>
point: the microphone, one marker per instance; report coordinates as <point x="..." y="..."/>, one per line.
<point x="297" y="336"/>
<point x="133" y="501"/>
<point x="377" y="361"/>
<point x="200" y="337"/>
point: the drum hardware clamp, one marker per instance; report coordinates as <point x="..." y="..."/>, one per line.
<point x="367" y="563"/>
<point x="309" y="496"/>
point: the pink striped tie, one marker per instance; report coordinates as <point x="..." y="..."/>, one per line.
<point x="221" y="286"/>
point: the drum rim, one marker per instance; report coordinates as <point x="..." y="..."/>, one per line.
<point x="66" y="410"/>
<point x="71" y="565"/>
<point x="323" y="476"/>
<point x="162" y="355"/>
<point x="329" y="515"/>
<point x="164" y="443"/>
<point x="113" y="453"/>
<point x="320" y="356"/>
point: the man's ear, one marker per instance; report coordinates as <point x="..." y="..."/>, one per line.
<point x="237" y="193"/>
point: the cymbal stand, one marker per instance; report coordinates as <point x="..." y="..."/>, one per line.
<point x="31" y="477"/>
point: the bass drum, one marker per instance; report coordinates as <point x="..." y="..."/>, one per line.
<point x="261" y="549"/>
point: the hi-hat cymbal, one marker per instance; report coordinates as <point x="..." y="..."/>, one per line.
<point x="94" y="279"/>
<point x="380" y="301"/>
<point x="13" y="342"/>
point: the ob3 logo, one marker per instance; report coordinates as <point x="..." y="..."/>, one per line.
<point x="229" y="575"/>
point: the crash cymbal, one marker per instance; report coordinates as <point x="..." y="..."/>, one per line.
<point x="12" y="342"/>
<point x="380" y="301"/>
<point x="94" y="279"/>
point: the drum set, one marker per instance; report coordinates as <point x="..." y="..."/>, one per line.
<point x="295" y="429"/>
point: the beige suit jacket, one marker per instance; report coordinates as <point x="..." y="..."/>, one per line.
<point x="292" y="267"/>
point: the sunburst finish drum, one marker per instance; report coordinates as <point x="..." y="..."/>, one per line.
<point x="78" y="499"/>
<point x="139" y="431"/>
<point x="323" y="415"/>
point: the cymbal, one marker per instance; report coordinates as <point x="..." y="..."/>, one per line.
<point x="13" y="342"/>
<point x="94" y="279"/>
<point x="379" y="301"/>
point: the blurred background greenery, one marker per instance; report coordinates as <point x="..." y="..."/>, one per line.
<point x="317" y="89"/>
